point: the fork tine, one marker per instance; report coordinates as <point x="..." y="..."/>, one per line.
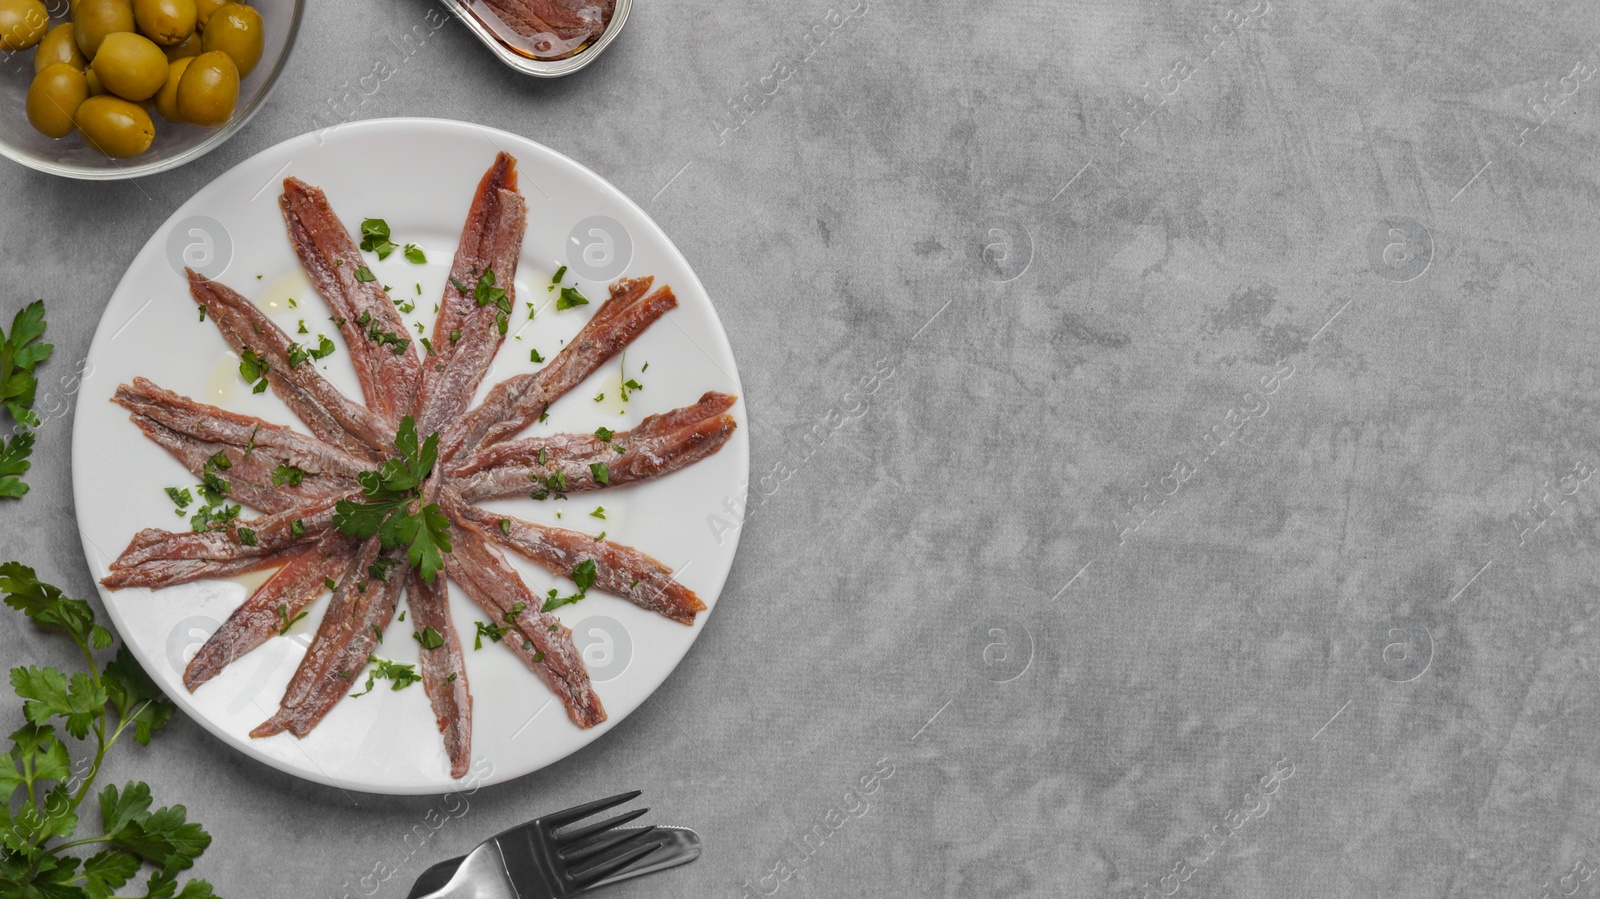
<point x="569" y="841"/>
<point x="617" y="860"/>
<point x="577" y="854"/>
<point x="579" y="812"/>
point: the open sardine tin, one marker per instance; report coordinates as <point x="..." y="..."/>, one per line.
<point x="496" y="35"/>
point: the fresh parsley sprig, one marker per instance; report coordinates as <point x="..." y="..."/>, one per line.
<point x="395" y="512"/>
<point x="20" y="353"/>
<point x="102" y="703"/>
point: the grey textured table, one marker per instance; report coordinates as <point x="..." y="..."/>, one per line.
<point x="1218" y="525"/>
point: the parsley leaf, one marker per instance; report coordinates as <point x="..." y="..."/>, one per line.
<point x="253" y="369"/>
<point x="288" y="474"/>
<point x="583" y="575"/>
<point x="397" y="674"/>
<point x="493" y="631"/>
<point x="20" y="352"/>
<point x="486" y="293"/>
<point x="602" y="475"/>
<point x="570" y="298"/>
<point x="375" y="238"/>
<point x="393" y="489"/>
<point x="14" y="464"/>
<point x="286" y="622"/>
<point x="415" y="255"/>
<point x="429" y="638"/>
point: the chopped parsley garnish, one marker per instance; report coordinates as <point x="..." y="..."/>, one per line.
<point x="399" y="676"/>
<point x="455" y="336"/>
<point x="533" y="356"/>
<point x="391" y="490"/>
<point x="379" y="569"/>
<point x="427" y="345"/>
<point x="375" y="238"/>
<point x="602" y="474"/>
<point x="599" y="512"/>
<point x="288" y="475"/>
<point x="505" y="526"/>
<point x="629" y="385"/>
<point x="600" y="396"/>
<point x="538" y="656"/>
<point x="570" y="298"/>
<point x="328" y="582"/>
<point x="180" y="498"/>
<point x="415" y="255"/>
<point x="583" y="575"/>
<point x="365" y="276"/>
<point x="556" y="281"/>
<point x="214" y="492"/>
<point x="297" y="528"/>
<point x="486" y="293"/>
<point x="253" y="369"/>
<point x="286" y="621"/>
<point x="510" y="617"/>
<point x="299" y="354"/>
<point x="202" y="313"/>
<point x="429" y="638"/>
<point x="302" y="329"/>
<point x="551" y="485"/>
<point x="293" y="304"/>
<point x="604" y="433"/>
<point x="247" y="537"/>
<point x="493" y="631"/>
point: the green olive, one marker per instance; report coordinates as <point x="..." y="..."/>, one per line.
<point x="23" y="23"/>
<point x="115" y="126"/>
<point x="54" y="97"/>
<point x="167" y="97"/>
<point x="235" y="29"/>
<point x="93" y="80"/>
<point x="130" y="65"/>
<point x="208" y="89"/>
<point x="204" y="9"/>
<point x="94" y="19"/>
<point x="190" y="47"/>
<point x="166" y="22"/>
<point x="59" y="46"/>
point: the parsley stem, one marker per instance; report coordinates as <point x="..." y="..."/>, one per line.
<point x="99" y="730"/>
<point x="54" y="850"/>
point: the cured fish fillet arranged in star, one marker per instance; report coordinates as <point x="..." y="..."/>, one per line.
<point x="330" y="415"/>
<point x="660" y="445"/>
<point x="272" y="607"/>
<point x="381" y="349"/>
<point x="517" y="402"/>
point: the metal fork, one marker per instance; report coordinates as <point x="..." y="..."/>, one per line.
<point x="534" y="861"/>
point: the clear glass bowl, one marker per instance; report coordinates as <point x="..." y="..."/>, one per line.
<point x="174" y="145"/>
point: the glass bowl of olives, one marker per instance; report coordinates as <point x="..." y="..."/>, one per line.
<point x="109" y="89"/>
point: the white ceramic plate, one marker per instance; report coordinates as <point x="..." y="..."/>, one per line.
<point x="419" y="175"/>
